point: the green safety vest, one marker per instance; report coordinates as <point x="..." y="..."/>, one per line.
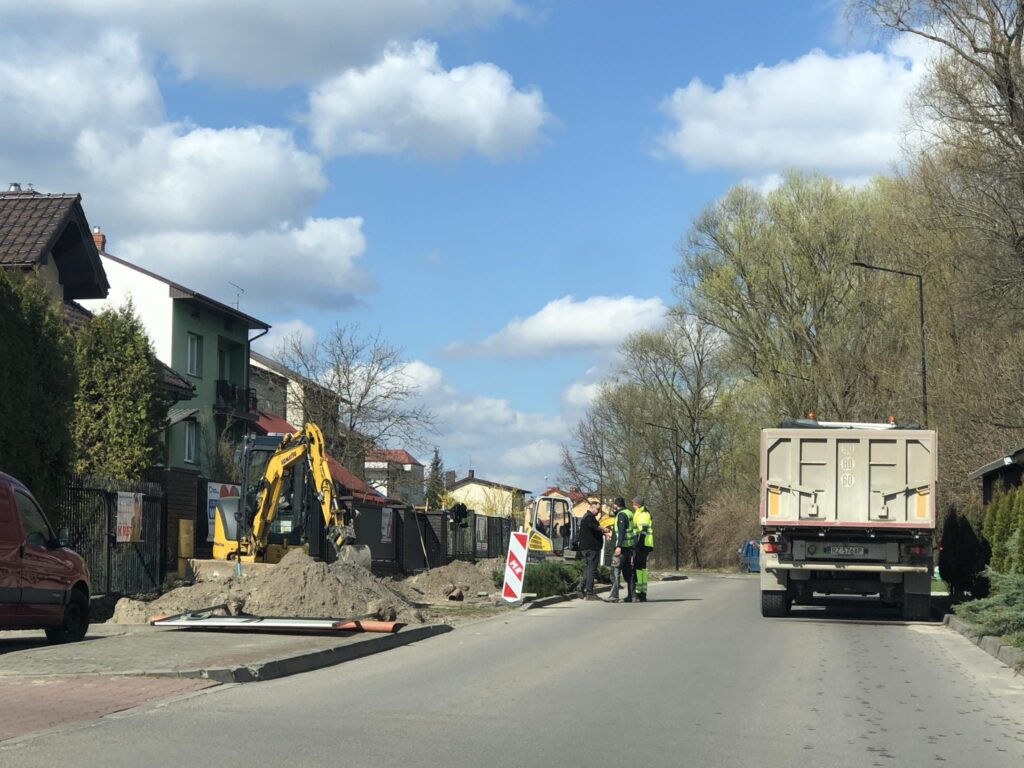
<point x="644" y="529"/>
<point x="630" y="540"/>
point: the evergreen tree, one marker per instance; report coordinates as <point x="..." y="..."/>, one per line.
<point x="120" y="407"/>
<point x="435" y="482"/>
<point x="37" y="387"/>
<point x="1003" y="531"/>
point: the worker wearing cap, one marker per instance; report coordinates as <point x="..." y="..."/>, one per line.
<point x="644" y="545"/>
<point x="623" y="540"/>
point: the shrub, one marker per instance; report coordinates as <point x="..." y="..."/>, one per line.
<point x="1001" y="614"/>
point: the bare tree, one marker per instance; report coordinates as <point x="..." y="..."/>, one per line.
<point x="359" y="387"/>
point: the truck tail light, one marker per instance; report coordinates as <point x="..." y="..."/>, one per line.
<point x="917" y="550"/>
<point x="775" y="547"/>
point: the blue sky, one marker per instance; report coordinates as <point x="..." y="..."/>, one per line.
<point x="499" y="186"/>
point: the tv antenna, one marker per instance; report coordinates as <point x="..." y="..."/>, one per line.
<point x="238" y="296"/>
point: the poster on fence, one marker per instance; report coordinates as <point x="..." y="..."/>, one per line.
<point x="387" y="525"/>
<point x="214" y="493"/>
<point x="129" y="517"/>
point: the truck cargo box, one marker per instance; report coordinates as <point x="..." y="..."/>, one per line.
<point x="861" y="477"/>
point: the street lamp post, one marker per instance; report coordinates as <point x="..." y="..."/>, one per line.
<point x="675" y="479"/>
<point x="920" y="301"/>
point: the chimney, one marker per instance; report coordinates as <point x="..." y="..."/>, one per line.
<point x="100" y="239"/>
<point x="449" y="479"/>
<point x="14" y="187"/>
<point x="472" y="474"/>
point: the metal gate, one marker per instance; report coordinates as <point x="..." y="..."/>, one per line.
<point x="88" y="509"/>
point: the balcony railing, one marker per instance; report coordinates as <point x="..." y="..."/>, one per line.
<point x="235" y="399"/>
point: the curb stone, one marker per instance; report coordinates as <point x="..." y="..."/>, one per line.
<point x="304" y="662"/>
<point x="1009" y="655"/>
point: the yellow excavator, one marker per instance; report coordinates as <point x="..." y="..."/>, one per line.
<point x="552" y="527"/>
<point x="287" y="477"/>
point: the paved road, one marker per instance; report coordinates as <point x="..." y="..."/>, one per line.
<point x="718" y="685"/>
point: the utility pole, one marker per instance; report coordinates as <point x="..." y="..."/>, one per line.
<point x="676" y="461"/>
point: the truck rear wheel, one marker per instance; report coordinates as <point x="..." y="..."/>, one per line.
<point x="774" y="604"/>
<point x="917" y="607"/>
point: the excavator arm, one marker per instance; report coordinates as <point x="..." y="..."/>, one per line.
<point x="304" y="446"/>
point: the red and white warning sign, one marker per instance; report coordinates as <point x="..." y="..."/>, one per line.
<point x="515" y="568"/>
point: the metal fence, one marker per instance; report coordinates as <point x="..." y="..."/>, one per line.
<point x="478" y="536"/>
<point x="89" y="509"/>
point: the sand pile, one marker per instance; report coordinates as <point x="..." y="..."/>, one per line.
<point x="433" y="586"/>
<point x="297" y="586"/>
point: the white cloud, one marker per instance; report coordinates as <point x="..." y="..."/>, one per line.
<point x="283" y="269"/>
<point x="539" y="453"/>
<point x="580" y="394"/>
<point x="835" y="114"/>
<point x="175" y="177"/>
<point x="600" y="323"/>
<point x="50" y="92"/>
<point x="407" y="102"/>
<point x="281" y="332"/>
<point x="263" y="42"/>
<point x="499" y="441"/>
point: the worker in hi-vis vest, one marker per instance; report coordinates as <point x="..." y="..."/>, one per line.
<point x="624" y="541"/>
<point x="644" y="545"/>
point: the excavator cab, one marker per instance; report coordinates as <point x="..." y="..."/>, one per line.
<point x="552" y="528"/>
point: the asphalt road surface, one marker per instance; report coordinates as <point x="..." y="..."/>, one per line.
<point x="695" y="677"/>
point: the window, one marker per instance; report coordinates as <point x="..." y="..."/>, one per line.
<point x="191" y="441"/>
<point x="195" y="355"/>
<point x="32" y="520"/>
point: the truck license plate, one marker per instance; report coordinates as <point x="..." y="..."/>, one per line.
<point x="845" y="550"/>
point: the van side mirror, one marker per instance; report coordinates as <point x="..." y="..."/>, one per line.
<point x="64" y="537"/>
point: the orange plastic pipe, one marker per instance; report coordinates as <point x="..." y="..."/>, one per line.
<point x="369" y="626"/>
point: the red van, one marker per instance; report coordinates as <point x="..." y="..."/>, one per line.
<point x="43" y="585"/>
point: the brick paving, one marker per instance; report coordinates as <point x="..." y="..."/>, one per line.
<point x="39" y="704"/>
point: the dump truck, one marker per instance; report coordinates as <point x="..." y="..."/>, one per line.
<point x="847" y="509"/>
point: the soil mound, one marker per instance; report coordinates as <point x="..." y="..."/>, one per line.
<point x="433" y="586"/>
<point x="298" y="586"/>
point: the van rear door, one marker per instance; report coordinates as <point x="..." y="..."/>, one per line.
<point x="11" y="540"/>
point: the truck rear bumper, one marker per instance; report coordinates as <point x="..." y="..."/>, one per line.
<point x="851" y="567"/>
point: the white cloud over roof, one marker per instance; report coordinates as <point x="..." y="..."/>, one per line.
<point x="287" y="268"/>
<point x="408" y="102"/>
<point x="599" y="323"/>
<point x="836" y="114"/>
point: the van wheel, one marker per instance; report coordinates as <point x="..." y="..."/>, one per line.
<point x="76" y="620"/>
<point x="774" y="604"/>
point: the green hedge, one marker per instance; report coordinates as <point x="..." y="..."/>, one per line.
<point x="37" y="387"/>
<point x="1004" y="530"/>
<point x="554" y="577"/>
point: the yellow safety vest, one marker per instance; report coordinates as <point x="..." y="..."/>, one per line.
<point x="645" y="531"/>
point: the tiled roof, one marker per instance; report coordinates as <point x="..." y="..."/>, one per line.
<point x="30" y="223"/>
<point x="398" y="456"/>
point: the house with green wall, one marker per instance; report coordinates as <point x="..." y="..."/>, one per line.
<point x="207" y="343"/>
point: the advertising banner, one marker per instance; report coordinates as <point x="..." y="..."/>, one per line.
<point x="129" y="517"/>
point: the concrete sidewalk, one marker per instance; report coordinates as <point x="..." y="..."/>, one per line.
<point x="226" y="657"/>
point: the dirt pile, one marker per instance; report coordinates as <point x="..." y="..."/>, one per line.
<point x="297" y="586"/>
<point x="433" y="586"/>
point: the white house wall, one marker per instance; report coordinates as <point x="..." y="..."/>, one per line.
<point x="150" y="297"/>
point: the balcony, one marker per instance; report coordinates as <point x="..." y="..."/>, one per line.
<point x="235" y="400"/>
